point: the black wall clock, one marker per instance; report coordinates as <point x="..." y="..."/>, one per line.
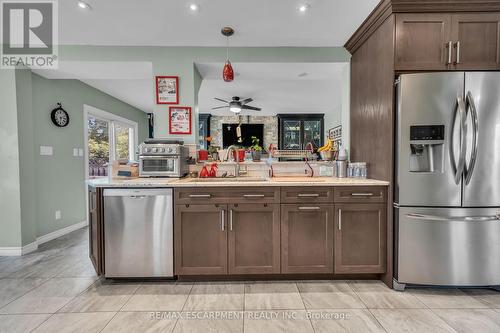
<point x="59" y="116"/>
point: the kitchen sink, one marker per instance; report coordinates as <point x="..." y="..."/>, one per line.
<point x="229" y="179"/>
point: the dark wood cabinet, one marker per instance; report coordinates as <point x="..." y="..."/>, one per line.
<point x="253" y="238"/>
<point x="95" y="229"/>
<point x="476" y="41"/>
<point x="423" y="42"/>
<point x="295" y="131"/>
<point x="444" y="41"/>
<point x="200" y="239"/>
<point x="360" y="238"/>
<point x="307" y="238"/>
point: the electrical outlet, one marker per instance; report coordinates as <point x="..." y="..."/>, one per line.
<point x="46" y="151"/>
<point x="58" y="214"/>
<point x="80" y="152"/>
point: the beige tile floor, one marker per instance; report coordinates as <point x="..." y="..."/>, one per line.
<point x="56" y="290"/>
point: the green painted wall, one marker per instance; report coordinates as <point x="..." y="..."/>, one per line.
<point x="27" y="151"/>
<point x="10" y="207"/>
<point x="60" y="178"/>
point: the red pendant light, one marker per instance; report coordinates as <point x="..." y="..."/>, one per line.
<point x="227" y="71"/>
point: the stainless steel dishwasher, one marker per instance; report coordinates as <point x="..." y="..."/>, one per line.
<point x="138" y="233"/>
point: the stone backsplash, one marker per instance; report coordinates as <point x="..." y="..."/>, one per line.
<point x="270" y="127"/>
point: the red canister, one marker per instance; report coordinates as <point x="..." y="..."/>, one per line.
<point x="202" y="155"/>
<point x="239" y="155"/>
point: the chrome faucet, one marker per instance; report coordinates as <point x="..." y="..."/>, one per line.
<point x="234" y="149"/>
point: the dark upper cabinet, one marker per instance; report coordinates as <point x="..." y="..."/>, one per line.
<point x="200" y="239"/>
<point x="295" y="131"/>
<point x="476" y="41"/>
<point x="423" y="42"/>
<point x="253" y="238"/>
<point x="443" y="41"/>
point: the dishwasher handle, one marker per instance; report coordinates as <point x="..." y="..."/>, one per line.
<point x="137" y="193"/>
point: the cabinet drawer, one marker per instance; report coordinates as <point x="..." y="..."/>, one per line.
<point x="309" y="194"/>
<point x="362" y="194"/>
<point x="224" y="195"/>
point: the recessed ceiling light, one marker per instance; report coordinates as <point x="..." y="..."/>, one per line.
<point x="83" y="5"/>
<point x="304" y="7"/>
<point x="194" y="7"/>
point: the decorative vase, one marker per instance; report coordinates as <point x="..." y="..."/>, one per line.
<point x="256" y="155"/>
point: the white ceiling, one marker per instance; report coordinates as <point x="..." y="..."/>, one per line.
<point x="276" y="88"/>
<point x="170" y="23"/>
<point x="127" y="81"/>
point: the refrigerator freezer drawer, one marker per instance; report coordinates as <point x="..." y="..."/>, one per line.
<point x="449" y="246"/>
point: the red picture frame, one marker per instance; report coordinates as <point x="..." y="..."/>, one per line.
<point x="180" y="120"/>
<point x="163" y="95"/>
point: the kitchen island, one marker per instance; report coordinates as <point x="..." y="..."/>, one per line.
<point x="257" y="228"/>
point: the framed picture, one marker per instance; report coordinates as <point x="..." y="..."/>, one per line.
<point x="167" y="90"/>
<point x="180" y="120"/>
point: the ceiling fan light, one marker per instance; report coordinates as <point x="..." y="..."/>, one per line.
<point x="235" y="108"/>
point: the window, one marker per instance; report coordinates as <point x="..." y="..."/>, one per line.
<point x="109" y="138"/>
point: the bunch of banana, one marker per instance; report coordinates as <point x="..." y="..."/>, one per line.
<point x="328" y="146"/>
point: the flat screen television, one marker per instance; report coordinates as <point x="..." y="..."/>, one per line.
<point x="247" y="131"/>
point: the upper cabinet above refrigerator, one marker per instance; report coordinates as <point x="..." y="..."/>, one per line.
<point x="482" y="162"/>
<point x="444" y="41"/>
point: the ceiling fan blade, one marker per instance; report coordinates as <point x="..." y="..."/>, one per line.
<point x="248" y="107"/>
<point x="219" y="99"/>
<point x="246" y="101"/>
<point x="220" y="107"/>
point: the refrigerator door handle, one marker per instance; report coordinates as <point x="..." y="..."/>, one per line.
<point x="475" y="133"/>
<point x="458" y="169"/>
<point x="450" y="218"/>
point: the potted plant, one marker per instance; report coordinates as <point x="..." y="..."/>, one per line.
<point x="256" y="149"/>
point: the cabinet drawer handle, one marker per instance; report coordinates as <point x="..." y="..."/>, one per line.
<point x="308" y="195"/>
<point x="340" y="219"/>
<point x="222" y="218"/>
<point x="231" y="220"/>
<point x="362" y="194"/>
<point x="253" y="195"/>
<point x="309" y="208"/>
<point x="200" y="195"/>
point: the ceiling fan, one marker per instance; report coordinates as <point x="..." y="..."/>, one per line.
<point x="236" y="105"/>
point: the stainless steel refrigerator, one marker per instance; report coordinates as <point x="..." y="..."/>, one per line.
<point x="447" y="190"/>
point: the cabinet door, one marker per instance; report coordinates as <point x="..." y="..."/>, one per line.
<point x="477" y="41"/>
<point x="200" y="239"/>
<point x="360" y="238"/>
<point x="422" y="41"/>
<point x="254" y="239"/>
<point x="95" y="230"/>
<point x="306" y="238"/>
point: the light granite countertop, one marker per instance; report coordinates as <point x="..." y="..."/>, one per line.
<point x="234" y="182"/>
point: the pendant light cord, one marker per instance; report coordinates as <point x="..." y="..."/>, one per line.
<point x="227" y="48"/>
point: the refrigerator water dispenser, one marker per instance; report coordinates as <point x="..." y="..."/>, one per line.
<point x="427" y="148"/>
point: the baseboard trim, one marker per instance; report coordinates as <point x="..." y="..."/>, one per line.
<point x="15" y="251"/>
<point x="61" y="232"/>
